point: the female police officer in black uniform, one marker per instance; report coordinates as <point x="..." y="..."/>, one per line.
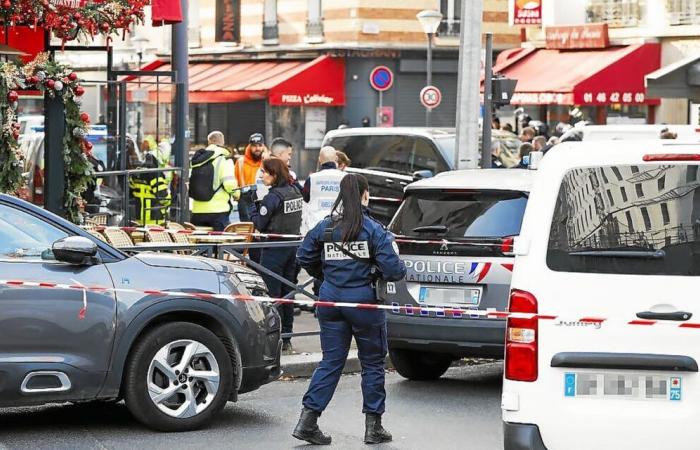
<point x="350" y="251"/>
<point x="279" y="212"/>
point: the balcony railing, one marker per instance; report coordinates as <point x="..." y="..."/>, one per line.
<point x="616" y="13"/>
<point x="314" y="31"/>
<point x="683" y="12"/>
<point x="449" y="28"/>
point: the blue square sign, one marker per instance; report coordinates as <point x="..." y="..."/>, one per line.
<point x="569" y="385"/>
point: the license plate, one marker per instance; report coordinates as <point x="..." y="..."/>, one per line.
<point x="622" y="385"/>
<point x="448" y="296"/>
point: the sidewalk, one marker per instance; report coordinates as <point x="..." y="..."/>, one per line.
<point x="307" y="350"/>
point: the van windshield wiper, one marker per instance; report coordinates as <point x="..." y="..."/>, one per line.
<point x="431" y="229"/>
<point x="634" y="254"/>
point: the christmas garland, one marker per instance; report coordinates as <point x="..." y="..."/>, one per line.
<point x="55" y="80"/>
<point x="68" y="19"/>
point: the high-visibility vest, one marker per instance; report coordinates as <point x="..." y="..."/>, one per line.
<point x="223" y="178"/>
<point x="154" y="199"/>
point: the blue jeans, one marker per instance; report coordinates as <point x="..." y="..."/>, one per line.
<point x="338" y="326"/>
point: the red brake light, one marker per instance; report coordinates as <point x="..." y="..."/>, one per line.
<point x="507" y="245"/>
<point x="672" y="157"/>
<point x="521" y="338"/>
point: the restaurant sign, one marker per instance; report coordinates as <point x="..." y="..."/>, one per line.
<point x="589" y="36"/>
<point x="525" y="12"/>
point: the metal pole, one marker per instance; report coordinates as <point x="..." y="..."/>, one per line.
<point x="180" y="57"/>
<point x="488" y="104"/>
<point x="429" y="75"/>
<point x="467" y="153"/>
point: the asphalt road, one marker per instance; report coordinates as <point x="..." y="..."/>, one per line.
<point x="462" y="410"/>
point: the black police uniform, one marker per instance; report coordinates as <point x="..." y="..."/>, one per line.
<point x="350" y="279"/>
<point x="279" y="212"/>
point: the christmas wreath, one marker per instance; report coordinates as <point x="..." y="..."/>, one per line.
<point x="55" y="80"/>
<point x="68" y="19"/>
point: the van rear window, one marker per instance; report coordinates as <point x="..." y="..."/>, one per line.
<point x="637" y="220"/>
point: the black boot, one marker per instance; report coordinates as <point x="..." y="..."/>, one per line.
<point x="374" y="431"/>
<point x="307" y="429"/>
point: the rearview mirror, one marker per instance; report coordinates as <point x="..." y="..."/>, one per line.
<point x="420" y="174"/>
<point x="76" y="250"/>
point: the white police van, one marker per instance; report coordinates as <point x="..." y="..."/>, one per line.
<point x="609" y="258"/>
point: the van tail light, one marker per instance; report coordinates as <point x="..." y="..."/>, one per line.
<point x="672" y="157"/>
<point x="507" y="245"/>
<point x="521" y="338"/>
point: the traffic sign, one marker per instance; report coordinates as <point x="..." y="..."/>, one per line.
<point x="381" y="78"/>
<point x="430" y="97"/>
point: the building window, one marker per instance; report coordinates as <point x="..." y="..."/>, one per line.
<point x="610" y="198"/>
<point x="683" y="12"/>
<point x="617" y="173"/>
<point x="664" y="214"/>
<point x="647" y="219"/>
<point x="640" y="190"/>
<point x="692" y="174"/>
<point x="616" y="13"/>
<point x="624" y="194"/>
<point x="451" y="12"/>
<point x="635" y="170"/>
<point x="630" y="224"/>
<point x="605" y="177"/>
<point x="661" y="182"/>
<point x="314" y="23"/>
<point x="270" y="24"/>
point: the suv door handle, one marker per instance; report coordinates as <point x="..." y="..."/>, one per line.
<point x="676" y="315"/>
<point x="389" y="180"/>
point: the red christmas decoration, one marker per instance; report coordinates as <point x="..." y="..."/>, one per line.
<point x="12" y="96"/>
<point x="85" y="117"/>
<point x="79" y="91"/>
<point x="73" y="76"/>
<point x="50" y="83"/>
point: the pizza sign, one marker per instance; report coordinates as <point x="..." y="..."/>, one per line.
<point x="526" y="12"/>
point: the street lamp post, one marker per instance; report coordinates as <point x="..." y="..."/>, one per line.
<point x="139" y="43"/>
<point x="430" y="21"/>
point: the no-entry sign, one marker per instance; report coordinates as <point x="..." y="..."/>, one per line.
<point x="381" y="78"/>
<point x="430" y="97"/>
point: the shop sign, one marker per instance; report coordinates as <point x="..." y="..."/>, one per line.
<point x="541" y="98"/>
<point x="526" y="12"/>
<point x="379" y="53"/>
<point x="228" y="21"/>
<point x="74" y="3"/>
<point x="605" y="98"/>
<point x="308" y="99"/>
<point x="578" y="36"/>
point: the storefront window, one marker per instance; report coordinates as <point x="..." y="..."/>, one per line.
<point x="616" y="13"/>
<point x="632" y="114"/>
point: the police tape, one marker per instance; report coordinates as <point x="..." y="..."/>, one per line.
<point x="410" y="310"/>
<point x="254" y="234"/>
<point x="385" y="199"/>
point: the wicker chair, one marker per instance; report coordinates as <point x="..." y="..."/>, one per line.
<point x="246" y="228"/>
<point x="96" y="234"/>
<point x="118" y="237"/>
<point x="181" y="238"/>
<point x="158" y="235"/>
<point x="174" y="226"/>
<point x="97" y="219"/>
<point x="189" y="226"/>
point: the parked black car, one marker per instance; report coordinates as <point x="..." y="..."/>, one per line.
<point x="176" y="361"/>
<point x="392" y="158"/>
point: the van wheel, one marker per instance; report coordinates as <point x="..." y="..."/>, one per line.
<point x="178" y="377"/>
<point x="420" y="366"/>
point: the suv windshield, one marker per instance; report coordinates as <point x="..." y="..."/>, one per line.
<point x="401" y="154"/>
<point x="460" y="214"/>
<point x="628" y="219"/>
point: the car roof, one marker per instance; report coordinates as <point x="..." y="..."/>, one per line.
<point x="392" y="131"/>
<point x="569" y="155"/>
<point x="492" y="179"/>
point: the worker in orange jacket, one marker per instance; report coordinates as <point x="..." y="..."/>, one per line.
<point x="246" y="171"/>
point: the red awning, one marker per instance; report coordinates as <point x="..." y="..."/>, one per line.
<point x="320" y="82"/>
<point x="165" y="12"/>
<point x="581" y="77"/>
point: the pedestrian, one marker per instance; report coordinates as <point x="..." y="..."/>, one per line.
<point x="496" y="162"/>
<point x="279" y="213"/>
<point x="350" y="251"/>
<point x="508" y="127"/>
<point x="538" y="143"/>
<point x="212" y="184"/>
<point x="321" y="188"/>
<point x="283" y="150"/>
<point x="527" y="135"/>
<point x="666" y="134"/>
<point x="343" y="160"/>
<point x="524" y="153"/>
<point x="246" y="169"/>
<point x="495" y="123"/>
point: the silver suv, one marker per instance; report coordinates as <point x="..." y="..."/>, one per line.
<point x="455" y="234"/>
<point x="176" y="360"/>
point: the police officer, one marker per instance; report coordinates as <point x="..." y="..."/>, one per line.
<point x="350" y="250"/>
<point x="279" y="212"/>
<point x="321" y="188"/>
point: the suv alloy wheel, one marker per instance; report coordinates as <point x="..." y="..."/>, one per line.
<point x="179" y="376"/>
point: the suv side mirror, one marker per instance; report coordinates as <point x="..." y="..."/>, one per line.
<point x="76" y="250"/>
<point x="420" y="174"/>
